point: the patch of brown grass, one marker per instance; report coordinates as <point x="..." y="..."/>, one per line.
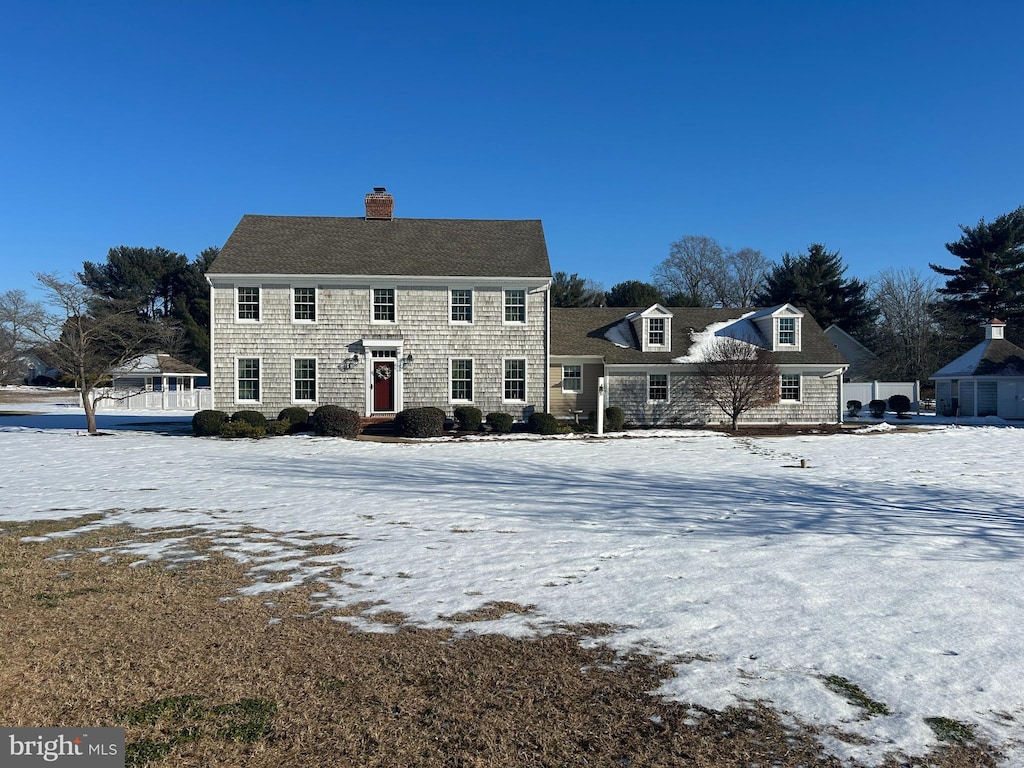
<point x="201" y="676"/>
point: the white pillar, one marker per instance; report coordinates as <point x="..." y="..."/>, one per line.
<point x="600" y="405"/>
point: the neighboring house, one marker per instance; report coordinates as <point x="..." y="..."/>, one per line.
<point x="28" y="367"/>
<point x="157" y="381"/>
<point x="646" y="357"/>
<point x="987" y="380"/>
<point x="379" y="314"/>
<point x="858" y="356"/>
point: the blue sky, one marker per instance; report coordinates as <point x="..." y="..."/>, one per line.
<point x="874" y="127"/>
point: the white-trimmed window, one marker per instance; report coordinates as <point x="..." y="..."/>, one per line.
<point x="383" y="305"/>
<point x="656" y="331"/>
<point x="657" y="387"/>
<point x="462" y="380"/>
<point x="248" y="303"/>
<point x="304" y="304"/>
<point x="461" y="305"/>
<point x="304" y="379"/>
<point x="787" y="331"/>
<point x="515" y="380"/>
<point x="789" y="386"/>
<point x="247" y="378"/>
<point x="515" y="305"/>
<point x="572" y="378"/>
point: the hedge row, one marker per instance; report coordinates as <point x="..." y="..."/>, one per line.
<point x="326" y="420"/>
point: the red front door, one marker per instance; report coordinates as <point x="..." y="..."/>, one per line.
<point x="383" y="385"/>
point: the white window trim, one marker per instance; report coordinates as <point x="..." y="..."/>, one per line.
<point x="472" y="379"/>
<point x="504" y="304"/>
<point x="800" y="383"/>
<point x="259" y="381"/>
<point x="259" y="304"/>
<point x="472" y="306"/>
<point x="316" y="377"/>
<point x="394" y="294"/>
<point x="779" y="344"/>
<point x="316" y="305"/>
<point x="668" y="387"/>
<point x="666" y="331"/>
<point x="572" y="391"/>
<point x="526" y="379"/>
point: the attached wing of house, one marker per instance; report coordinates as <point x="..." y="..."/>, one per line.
<point x="646" y="357"/>
<point x="379" y="314"/>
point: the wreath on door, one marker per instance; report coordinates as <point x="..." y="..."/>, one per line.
<point x="383" y="372"/>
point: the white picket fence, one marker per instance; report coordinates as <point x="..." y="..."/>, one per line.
<point x="866" y="391"/>
<point x="166" y="400"/>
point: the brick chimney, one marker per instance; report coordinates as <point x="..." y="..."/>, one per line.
<point x="994" y="329"/>
<point x="380" y="204"/>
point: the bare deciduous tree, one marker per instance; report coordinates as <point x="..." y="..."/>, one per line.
<point x="907" y="339"/>
<point x="706" y="274"/>
<point x="17" y="316"/>
<point x="736" y="377"/>
<point x="87" y="344"/>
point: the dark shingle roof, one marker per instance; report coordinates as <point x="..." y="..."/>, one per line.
<point x="312" y="245"/>
<point x="992" y="357"/>
<point x="581" y="332"/>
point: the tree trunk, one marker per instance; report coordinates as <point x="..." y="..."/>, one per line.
<point x="87" y="404"/>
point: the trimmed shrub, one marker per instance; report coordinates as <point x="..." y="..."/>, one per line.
<point x="278" y="427"/>
<point x="543" y="424"/>
<point x="335" y="421"/>
<point x="878" y="408"/>
<point x="900" y="404"/>
<point x="295" y="415"/>
<point x="242" y="428"/>
<point x="420" y="422"/>
<point x="255" y="418"/>
<point x="614" y="418"/>
<point x="208" y="423"/>
<point x="468" y="418"/>
<point x="500" y="422"/>
<point x="854" y="406"/>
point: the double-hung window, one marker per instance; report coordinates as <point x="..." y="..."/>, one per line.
<point x="462" y="380"/>
<point x="462" y="305"/>
<point x="515" y="305"/>
<point x="787" y="330"/>
<point x="789" y="388"/>
<point x="248" y="379"/>
<point x="384" y="305"/>
<point x="248" y="302"/>
<point x="572" y="378"/>
<point x="304" y="304"/>
<point x="657" y="386"/>
<point x="515" y="380"/>
<point x="304" y="379"/>
<point x="656" y="331"/>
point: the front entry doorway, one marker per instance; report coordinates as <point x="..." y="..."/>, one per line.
<point x="382" y="379"/>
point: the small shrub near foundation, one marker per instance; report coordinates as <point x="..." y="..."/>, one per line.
<point x="900" y="404"/>
<point x="420" y="422"/>
<point x="242" y="429"/>
<point x="543" y="424"/>
<point x="877" y="408"/>
<point x="500" y="422"/>
<point x="468" y="418"/>
<point x="296" y="416"/>
<point x="853" y="407"/>
<point x="614" y="419"/>
<point x="255" y="418"/>
<point x="335" y="421"/>
<point x="208" y="423"/>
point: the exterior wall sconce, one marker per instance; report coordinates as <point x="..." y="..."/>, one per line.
<point x="407" y="361"/>
<point x="350" y="362"/>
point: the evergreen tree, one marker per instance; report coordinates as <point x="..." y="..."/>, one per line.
<point x="990" y="281"/>
<point x="634" y="293"/>
<point x="573" y="291"/>
<point x="815" y="282"/>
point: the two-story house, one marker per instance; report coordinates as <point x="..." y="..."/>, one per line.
<point x="647" y="357"/>
<point x="379" y="314"/>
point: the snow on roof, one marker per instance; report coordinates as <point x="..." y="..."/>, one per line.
<point x="621" y="334"/>
<point x="965" y="365"/>
<point x="739" y="328"/>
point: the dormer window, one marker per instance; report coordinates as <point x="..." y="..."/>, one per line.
<point x="656" y="331"/>
<point x="787" y="331"/>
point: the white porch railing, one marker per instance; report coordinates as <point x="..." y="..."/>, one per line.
<point x="165" y="400"/>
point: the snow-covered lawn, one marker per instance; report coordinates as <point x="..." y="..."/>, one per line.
<point x="893" y="560"/>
